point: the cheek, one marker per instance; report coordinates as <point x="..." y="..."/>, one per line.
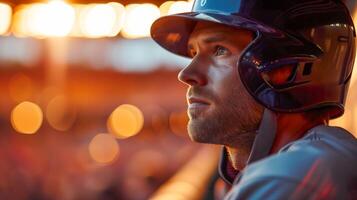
<point x="224" y="80"/>
<point x="228" y="65"/>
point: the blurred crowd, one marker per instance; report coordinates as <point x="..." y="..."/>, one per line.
<point x="54" y="165"/>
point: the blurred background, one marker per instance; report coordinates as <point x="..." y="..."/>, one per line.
<point x="90" y="106"/>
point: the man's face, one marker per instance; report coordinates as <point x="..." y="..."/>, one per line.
<point x="219" y="107"/>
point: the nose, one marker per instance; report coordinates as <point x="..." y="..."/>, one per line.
<point x="194" y="74"/>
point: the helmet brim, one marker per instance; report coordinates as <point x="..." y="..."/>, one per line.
<point x="173" y="31"/>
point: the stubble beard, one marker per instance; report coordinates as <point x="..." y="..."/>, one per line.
<point x="230" y="123"/>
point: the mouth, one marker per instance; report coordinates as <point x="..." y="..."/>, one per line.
<point x="197" y="103"/>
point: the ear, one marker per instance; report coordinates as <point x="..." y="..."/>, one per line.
<point x="279" y="76"/>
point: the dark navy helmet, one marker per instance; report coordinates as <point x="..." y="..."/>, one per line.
<point x="315" y="37"/>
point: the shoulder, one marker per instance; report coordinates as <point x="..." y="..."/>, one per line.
<point x="324" y="149"/>
<point x="324" y="142"/>
<point x="333" y="136"/>
<point x="323" y="158"/>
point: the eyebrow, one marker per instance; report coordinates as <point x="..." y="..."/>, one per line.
<point x="211" y="39"/>
<point x="215" y="38"/>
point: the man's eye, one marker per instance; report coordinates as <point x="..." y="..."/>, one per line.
<point x="220" y="51"/>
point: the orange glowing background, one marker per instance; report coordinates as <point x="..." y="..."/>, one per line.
<point x="91" y="108"/>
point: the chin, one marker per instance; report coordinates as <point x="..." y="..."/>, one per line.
<point x="197" y="137"/>
<point x="198" y="132"/>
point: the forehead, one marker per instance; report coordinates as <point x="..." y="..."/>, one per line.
<point x="207" y="30"/>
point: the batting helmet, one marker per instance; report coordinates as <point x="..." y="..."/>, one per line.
<point x="315" y="37"/>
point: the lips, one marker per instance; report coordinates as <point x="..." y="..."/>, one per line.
<point x="196" y="104"/>
<point x="195" y="100"/>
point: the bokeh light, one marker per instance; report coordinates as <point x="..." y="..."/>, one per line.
<point x="55" y="18"/>
<point x="60" y="114"/>
<point x="76" y="28"/>
<point x="165" y="7"/>
<point x="125" y="121"/>
<point x="100" y="20"/>
<point x="138" y="20"/>
<point x="103" y="148"/>
<point x="5" y="18"/>
<point x="19" y="26"/>
<point x="180" y="7"/>
<point x="171" y="196"/>
<point x="120" y="18"/>
<point x="26" y="118"/>
<point x="178" y="190"/>
<point x="21" y="87"/>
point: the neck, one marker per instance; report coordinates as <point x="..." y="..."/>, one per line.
<point x="291" y="127"/>
<point x="239" y="150"/>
